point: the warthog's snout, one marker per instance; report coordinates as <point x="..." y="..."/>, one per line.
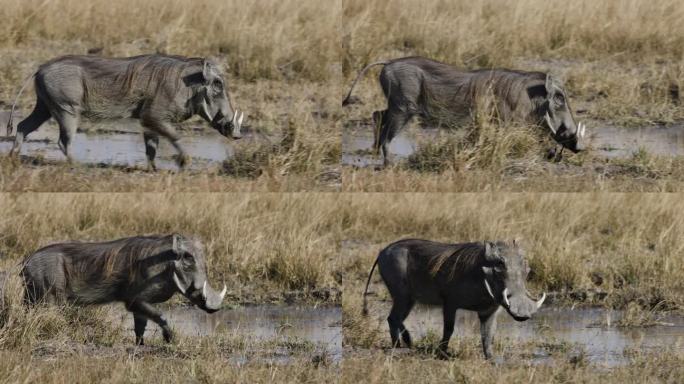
<point x="573" y="140"/>
<point x="232" y="127"/>
<point x="520" y="306"/>
<point x="206" y="299"/>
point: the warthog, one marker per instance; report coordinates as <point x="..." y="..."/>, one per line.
<point x="137" y="271"/>
<point x="436" y="91"/>
<point x="158" y="90"/>
<point x="480" y="277"/>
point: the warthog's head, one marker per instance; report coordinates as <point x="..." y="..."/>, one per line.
<point x="213" y="103"/>
<point x="505" y="272"/>
<point x="190" y="275"/>
<point x="555" y="114"/>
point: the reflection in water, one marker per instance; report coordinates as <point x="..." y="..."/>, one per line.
<point x="584" y="328"/>
<point x="318" y="325"/>
<point x="617" y="142"/>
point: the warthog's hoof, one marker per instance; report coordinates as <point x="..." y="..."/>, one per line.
<point x="444" y="354"/>
<point x="168" y="335"/>
<point x="554" y="154"/>
<point x="183" y="160"/>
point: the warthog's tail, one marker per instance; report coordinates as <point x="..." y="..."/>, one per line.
<point x="10" y="123"/>
<point x="365" y="302"/>
<point x="348" y="100"/>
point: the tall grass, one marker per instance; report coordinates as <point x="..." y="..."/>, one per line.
<point x="257" y="39"/>
<point x="491" y="32"/>
<point x="620" y="60"/>
<point x="260" y="245"/>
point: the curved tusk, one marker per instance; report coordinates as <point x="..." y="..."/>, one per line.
<point x="541" y="301"/>
<point x="505" y="297"/>
<point x="178" y="283"/>
<point x="204" y="290"/>
<point x="234" y="117"/>
<point x="242" y="115"/>
<point x="548" y="121"/>
<point x="489" y="290"/>
<point x="223" y="293"/>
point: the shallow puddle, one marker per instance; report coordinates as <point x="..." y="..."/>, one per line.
<point x="321" y="326"/>
<point x="589" y="332"/>
<point x="122" y="145"/>
<point x="617" y="142"/>
<point x="605" y="140"/>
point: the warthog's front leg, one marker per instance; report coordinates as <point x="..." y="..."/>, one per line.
<point x="151" y="145"/>
<point x="449" y="317"/>
<point x="144" y="309"/>
<point x="487" y="329"/>
<point x="165" y="129"/>
<point x="140" y="324"/>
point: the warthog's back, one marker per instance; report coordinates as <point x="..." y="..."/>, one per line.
<point x="91" y="272"/>
<point x="111" y="88"/>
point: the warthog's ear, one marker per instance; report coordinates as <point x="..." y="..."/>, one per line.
<point x="177" y="244"/>
<point x="548" y="84"/>
<point x="208" y="71"/>
<point x="490" y="250"/>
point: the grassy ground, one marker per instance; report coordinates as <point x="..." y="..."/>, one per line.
<point x="76" y="345"/>
<point x="663" y="368"/>
<point x="620" y="64"/>
<point x="281" y="60"/>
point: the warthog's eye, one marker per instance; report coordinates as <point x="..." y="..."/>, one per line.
<point x="218" y="85"/>
<point x="559" y="99"/>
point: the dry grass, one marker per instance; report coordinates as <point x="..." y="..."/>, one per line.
<point x="651" y="368"/>
<point x="264" y="39"/>
<point x="262" y="246"/>
<point x="204" y="367"/>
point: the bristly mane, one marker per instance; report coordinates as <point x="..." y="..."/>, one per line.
<point x="156" y="70"/>
<point x="459" y="258"/>
<point x="114" y="259"/>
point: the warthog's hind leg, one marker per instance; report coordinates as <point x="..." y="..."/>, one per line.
<point x="487" y="329"/>
<point x="400" y="311"/>
<point x="151" y="145"/>
<point x="140" y="323"/>
<point x="393" y="121"/>
<point x="145" y="309"/>
<point x="68" y="124"/>
<point x="32" y="122"/>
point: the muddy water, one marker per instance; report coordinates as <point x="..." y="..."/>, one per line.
<point x="122" y="145"/>
<point x="591" y="332"/>
<point x="605" y="141"/>
<point x="321" y="326"/>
